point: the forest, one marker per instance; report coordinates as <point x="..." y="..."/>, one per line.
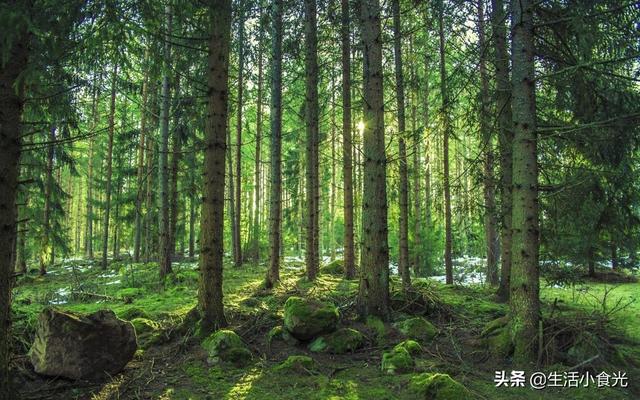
<point x="319" y="199"/>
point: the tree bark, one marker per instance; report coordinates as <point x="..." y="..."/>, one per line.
<point x="258" y="157"/>
<point x="403" y="235"/>
<point x="141" y="171"/>
<point x="275" y="191"/>
<point x="108" y="172"/>
<point x="505" y="141"/>
<point x="524" y="300"/>
<point x="373" y="296"/>
<point x="446" y="120"/>
<point x="212" y="222"/>
<point x="347" y="144"/>
<point x="311" y="120"/>
<point x="490" y="222"/>
<point x="11" y="106"/>
<point x="46" y="245"/>
<point x="164" y="256"/>
<point x="237" y="238"/>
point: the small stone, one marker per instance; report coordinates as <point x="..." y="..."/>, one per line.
<point x="342" y="341"/>
<point x="306" y="319"/>
<point x="438" y="387"/>
<point x="226" y="346"/>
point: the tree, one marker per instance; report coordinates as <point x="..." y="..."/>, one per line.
<point x="490" y="231"/>
<point x="109" y="167"/>
<point x="212" y="223"/>
<point x="237" y="241"/>
<point x="311" y="120"/>
<point x="505" y="141"/>
<point x="446" y="128"/>
<point x="524" y="299"/>
<point x="275" y="115"/>
<point x="403" y="264"/>
<point x="373" y="294"/>
<point x="347" y="144"/>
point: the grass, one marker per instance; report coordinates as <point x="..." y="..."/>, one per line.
<point x="462" y="313"/>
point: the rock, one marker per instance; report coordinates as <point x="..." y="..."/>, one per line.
<point x="226" y="346"/>
<point x="279" y="333"/>
<point x="494" y="326"/>
<point x="417" y="328"/>
<point x="411" y="346"/>
<point x="298" y="364"/>
<point x="342" y="341"/>
<point x="132" y="313"/>
<point x="306" y="319"/>
<point x="397" y="360"/>
<point x="80" y="346"/>
<point x="438" y="387"/>
<point x="498" y="338"/>
<point x="377" y="326"/>
<point x="335" y="267"/>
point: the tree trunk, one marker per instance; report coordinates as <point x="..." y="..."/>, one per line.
<point x="141" y="171"/>
<point x="332" y="201"/>
<point x="347" y="144"/>
<point x="108" y="172"/>
<point x="446" y="120"/>
<point x="490" y="230"/>
<point x="164" y="256"/>
<point x="46" y="246"/>
<point x="176" y="156"/>
<point x="505" y="141"/>
<point x="614" y="256"/>
<point x="237" y="240"/>
<point x="311" y="120"/>
<point x="258" y="163"/>
<point x="525" y="302"/>
<point x="417" y="167"/>
<point x="212" y="222"/>
<point x="11" y="105"/>
<point x="373" y="296"/>
<point x="275" y="195"/>
<point x="403" y="235"/>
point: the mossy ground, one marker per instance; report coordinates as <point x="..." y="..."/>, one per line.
<point x="176" y="367"/>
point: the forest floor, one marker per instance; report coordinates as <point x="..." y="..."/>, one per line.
<point x="173" y="366"/>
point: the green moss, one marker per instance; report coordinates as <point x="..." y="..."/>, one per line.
<point x="339" y="342"/>
<point x="417" y="328"/>
<point x="298" y="364"/>
<point x="411" y="346"/>
<point x="495" y="325"/>
<point x="144" y="326"/>
<point x="438" y="387"/>
<point x="308" y="318"/>
<point x="335" y="267"/>
<point x="397" y="360"/>
<point x="225" y="345"/>
<point x="376" y="325"/>
<point x="500" y="344"/>
<point x="132" y="313"/>
<point x="279" y="333"/>
<point x="130" y="293"/>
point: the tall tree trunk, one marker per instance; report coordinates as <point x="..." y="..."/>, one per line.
<point x="164" y="233"/>
<point x="403" y="235"/>
<point x="311" y="120"/>
<point x="141" y="171"/>
<point x="237" y="240"/>
<point x="46" y="245"/>
<point x="176" y="156"/>
<point x="525" y="301"/>
<point x="108" y="172"/>
<point x="373" y="296"/>
<point x="332" y="201"/>
<point x="614" y="256"/>
<point x="505" y="141"/>
<point x="275" y="190"/>
<point x="417" y="167"/>
<point x="258" y="163"/>
<point x="212" y="225"/>
<point x="427" y="148"/>
<point x="148" y="216"/>
<point x="446" y="121"/>
<point x="11" y="105"/>
<point x="347" y="144"/>
<point x="490" y="229"/>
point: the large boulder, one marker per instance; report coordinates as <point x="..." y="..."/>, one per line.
<point x="80" y="346"/>
<point x="306" y="319"/>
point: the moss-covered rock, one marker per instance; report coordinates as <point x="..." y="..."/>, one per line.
<point x="339" y="342"/>
<point x="495" y="325"/>
<point x="335" y="267"/>
<point x="497" y="338"/>
<point x="411" y="346"/>
<point x="397" y="360"/>
<point x="226" y="346"/>
<point x="438" y="387"/>
<point x="378" y="327"/>
<point x="306" y="319"/>
<point x="279" y="333"/>
<point x="298" y="364"/>
<point x="417" y="328"/>
<point x="132" y="313"/>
